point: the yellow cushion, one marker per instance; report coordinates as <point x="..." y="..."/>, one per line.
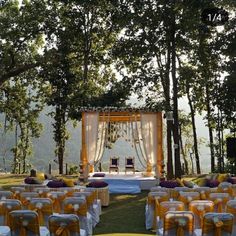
<point x="69" y="182"/>
<point x="180" y="182"/>
<point x="222" y="177"/>
<point x="201" y="182"/>
<point x="40" y="176"/>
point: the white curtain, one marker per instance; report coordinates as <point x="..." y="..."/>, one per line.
<point x="149" y="137"/>
<point x="95" y="137"/>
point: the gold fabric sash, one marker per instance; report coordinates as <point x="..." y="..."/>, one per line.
<point x="217" y="226"/>
<point x="45" y="210"/>
<point x="64" y="230"/>
<point x="81" y="211"/>
<point x="219" y="203"/>
<point x="4" y="211"/>
<point x="31" y="226"/>
<point x="154" y="201"/>
<point x="179" y="224"/>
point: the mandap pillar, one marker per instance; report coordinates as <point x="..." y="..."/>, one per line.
<point x="83" y="156"/>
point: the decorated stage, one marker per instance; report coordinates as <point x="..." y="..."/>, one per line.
<point x="129" y="183"/>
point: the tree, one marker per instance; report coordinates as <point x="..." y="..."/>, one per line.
<point x="79" y="70"/>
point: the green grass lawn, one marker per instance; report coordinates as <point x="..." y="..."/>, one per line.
<point x="124" y="216"/>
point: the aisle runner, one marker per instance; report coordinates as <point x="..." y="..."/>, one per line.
<point x="123" y="186"/>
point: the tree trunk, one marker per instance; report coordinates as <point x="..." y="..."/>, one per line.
<point x="195" y="143"/>
<point x="175" y="98"/>
<point x="210" y="129"/>
<point x="183" y="152"/>
<point x="60" y="136"/>
<point x="16" y="150"/>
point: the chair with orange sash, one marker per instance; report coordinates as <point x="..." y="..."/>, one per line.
<point x="199" y="208"/>
<point x="164" y="208"/>
<point x="57" y="200"/>
<point x="204" y="192"/>
<point x="43" y="206"/>
<point x="6" y="195"/>
<point x="97" y="202"/>
<point x="178" y="223"/>
<point x="78" y="206"/>
<point x="67" y="190"/>
<point x="26" y="197"/>
<point x="220" y="200"/>
<point x="231" y="208"/>
<point x="225" y="187"/>
<point x="187" y="197"/>
<point x="6" y="206"/>
<point x="91" y="204"/>
<point x="65" y="225"/>
<point x="152" y="208"/>
<point x="17" y="191"/>
<point x="217" y="224"/>
<point x="42" y="191"/>
<point x="26" y="223"/>
<point x="174" y="192"/>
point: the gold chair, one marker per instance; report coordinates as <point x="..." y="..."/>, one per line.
<point x="231" y="208"/>
<point x="78" y="206"/>
<point x="26" y="223"/>
<point x="6" y="195"/>
<point x="220" y="200"/>
<point x="93" y="208"/>
<point x="42" y="191"/>
<point x="204" y="192"/>
<point x="225" y="187"/>
<point x="217" y="224"/>
<point x="17" y="191"/>
<point x="164" y="208"/>
<point x="187" y="197"/>
<point x="114" y="164"/>
<point x="153" y="207"/>
<point x="43" y="206"/>
<point x="129" y="164"/>
<point x="199" y="208"/>
<point x="65" y="225"/>
<point x="57" y="200"/>
<point x="6" y="206"/>
<point x="178" y="223"/>
<point x="26" y="197"/>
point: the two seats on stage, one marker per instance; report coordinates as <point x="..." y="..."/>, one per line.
<point x="114" y="164"/>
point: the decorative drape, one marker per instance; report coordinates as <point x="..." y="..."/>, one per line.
<point x="94" y="136"/>
<point x="149" y="137"/>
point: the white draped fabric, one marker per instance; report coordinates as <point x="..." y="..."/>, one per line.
<point x="94" y="136"/>
<point x="149" y="137"/>
<point x="144" y="135"/>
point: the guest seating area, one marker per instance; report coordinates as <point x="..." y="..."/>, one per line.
<point x="44" y="211"/>
<point x="196" y="211"/>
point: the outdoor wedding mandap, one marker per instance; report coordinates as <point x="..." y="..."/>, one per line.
<point x="142" y="129"/>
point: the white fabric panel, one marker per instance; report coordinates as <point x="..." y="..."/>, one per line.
<point x="91" y="124"/>
<point x="149" y="214"/>
<point x="101" y="136"/>
<point x="149" y="137"/>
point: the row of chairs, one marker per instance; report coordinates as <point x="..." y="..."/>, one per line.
<point x="197" y="201"/>
<point x="114" y="164"/>
<point x="26" y="223"/>
<point x="46" y="202"/>
<point x="181" y="223"/>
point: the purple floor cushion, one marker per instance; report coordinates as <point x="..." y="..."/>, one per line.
<point x="99" y="175"/>
<point x="97" y="184"/>
<point x="56" y="184"/>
